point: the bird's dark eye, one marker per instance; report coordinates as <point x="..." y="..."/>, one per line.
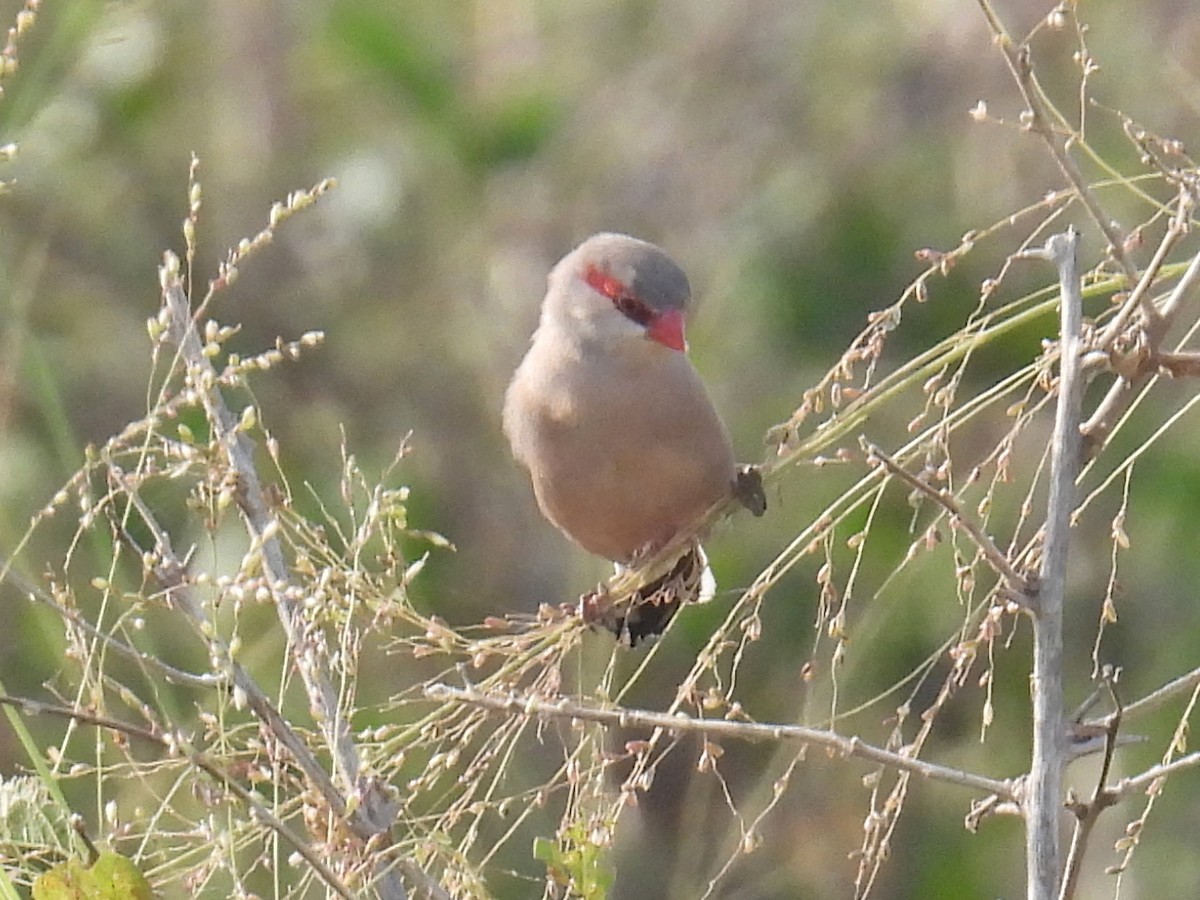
<point x="630" y="306"/>
<point x="633" y="308"/>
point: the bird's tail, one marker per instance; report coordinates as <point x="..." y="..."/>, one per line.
<point x="650" y="609"/>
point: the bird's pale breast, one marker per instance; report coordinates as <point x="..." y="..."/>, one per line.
<point x="621" y="455"/>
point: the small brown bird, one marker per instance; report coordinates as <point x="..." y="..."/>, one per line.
<point x="620" y="438"/>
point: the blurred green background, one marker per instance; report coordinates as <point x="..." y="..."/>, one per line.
<point x="790" y="155"/>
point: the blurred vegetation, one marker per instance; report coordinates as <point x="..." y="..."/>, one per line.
<point x="793" y="157"/>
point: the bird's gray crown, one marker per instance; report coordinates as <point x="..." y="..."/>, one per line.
<point x="651" y="275"/>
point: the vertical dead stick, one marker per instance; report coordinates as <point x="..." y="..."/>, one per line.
<point x="1043" y="801"/>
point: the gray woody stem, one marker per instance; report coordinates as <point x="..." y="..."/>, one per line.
<point x="1043" y="801"/>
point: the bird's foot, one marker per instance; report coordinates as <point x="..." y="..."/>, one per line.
<point x="596" y="608"/>
<point x="748" y="489"/>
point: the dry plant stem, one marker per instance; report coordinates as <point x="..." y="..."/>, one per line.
<point x="172" y="674"/>
<point x="1178" y="365"/>
<point x="174" y="745"/>
<point x="1084" y="825"/>
<point x="1149" y="781"/>
<point x="1159" y="698"/>
<point x="1042" y="802"/>
<point x="1100" y="423"/>
<point x="372" y="815"/>
<point x="721" y="728"/>
<point x="1041" y="122"/>
<point x="1018" y="585"/>
<point x="1087" y="814"/>
<point x="1137" y="783"/>
<point x="1139" y="297"/>
<point x="170" y="573"/>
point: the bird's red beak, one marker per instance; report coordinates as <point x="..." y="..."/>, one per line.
<point x="667" y="329"/>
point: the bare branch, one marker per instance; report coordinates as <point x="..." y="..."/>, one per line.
<point x="1177" y="365"/>
<point x="1043" y="801"/>
<point x="1087" y="814"/>
<point x="1139" y="297"/>
<point x="1137" y="783"/>
<point x="170" y="572"/>
<point x="746" y="731"/>
<point x="1160" y="697"/>
<point x="1098" y="426"/>
<point x="1018" y="584"/>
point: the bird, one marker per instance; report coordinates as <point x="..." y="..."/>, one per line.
<point x="623" y="445"/>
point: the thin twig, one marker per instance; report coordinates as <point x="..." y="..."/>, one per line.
<point x="1137" y="783"/>
<point x="175" y="744"/>
<point x="1177" y="365"/>
<point x="1087" y="814"/>
<point x="1160" y="697"/>
<point x="746" y="731"/>
<point x="1042" y="119"/>
<point x="170" y="573"/>
<point x="169" y="672"/>
<point x="1085" y="823"/>
<point x="1098" y="426"/>
<point x="1043" y="799"/>
<point x="1018" y="584"/>
<point x="1139" y="297"/>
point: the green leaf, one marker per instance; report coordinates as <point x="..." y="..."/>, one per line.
<point x="544" y="850"/>
<point x="61" y="883"/>
<point x="111" y="877"/>
<point x="114" y="876"/>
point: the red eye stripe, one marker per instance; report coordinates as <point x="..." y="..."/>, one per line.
<point x="629" y="306"/>
<point x="607" y="285"/>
